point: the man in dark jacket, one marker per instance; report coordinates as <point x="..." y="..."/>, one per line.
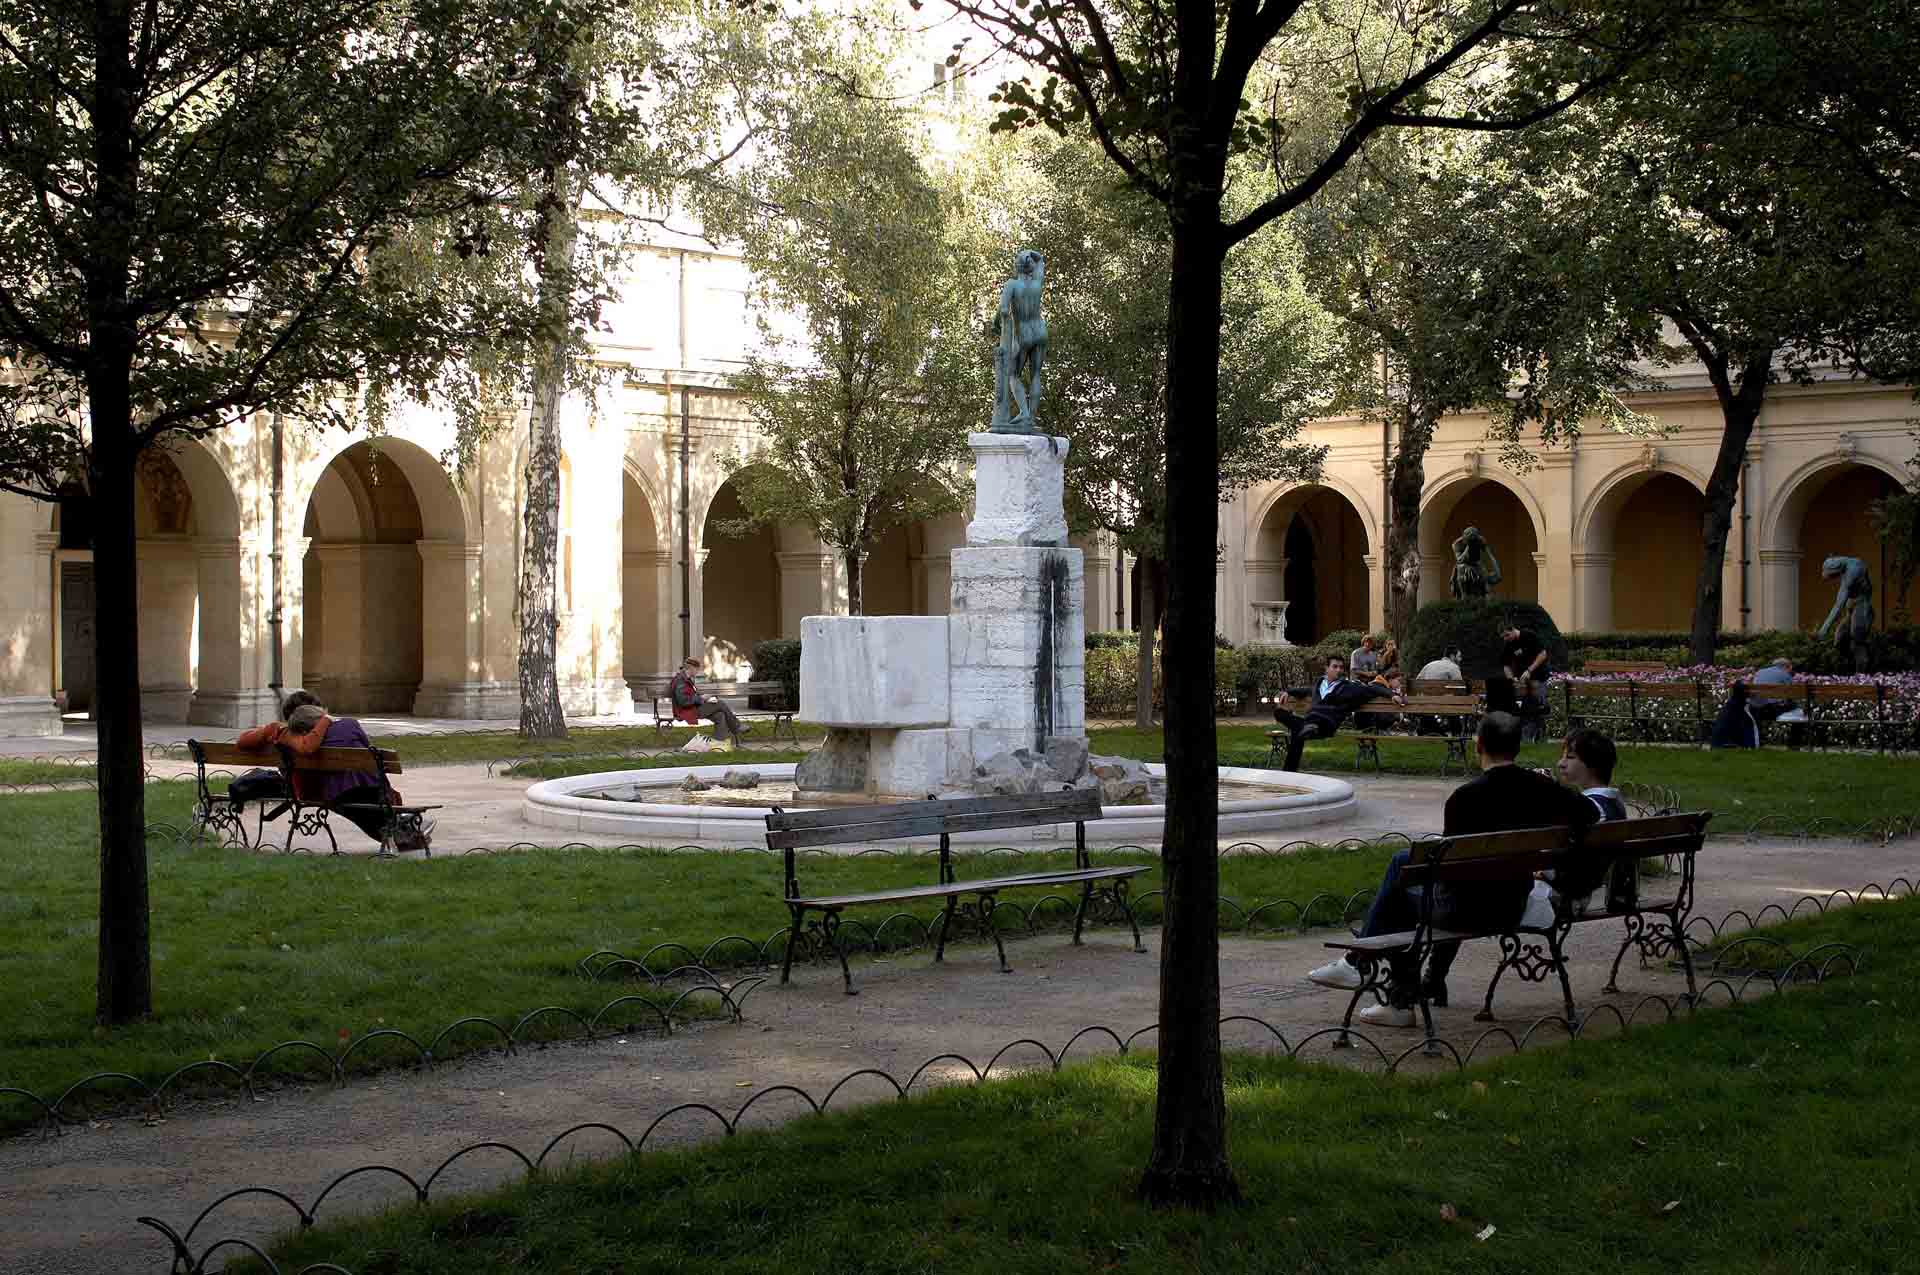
<point x="1333" y="701"/>
<point x="1502" y="798"/>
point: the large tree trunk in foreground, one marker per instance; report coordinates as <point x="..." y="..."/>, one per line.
<point x="1408" y="477"/>
<point x="124" y="982"/>
<point x="1152" y="572"/>
<point x="1189" y="1164"/>
<point x="1739" y="410"/>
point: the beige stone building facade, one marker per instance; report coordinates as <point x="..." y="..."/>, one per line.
<point x="394" y="577"/>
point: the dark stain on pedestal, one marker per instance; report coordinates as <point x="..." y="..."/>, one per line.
<point x="1053" y="619"/>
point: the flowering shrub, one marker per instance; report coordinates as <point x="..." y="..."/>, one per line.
<point x="1677" y="720"/>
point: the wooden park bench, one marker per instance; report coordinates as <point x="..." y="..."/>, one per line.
<point x="1625" y="668"/>
<point x="1849" y="698"/>
<point x="1628" y="706"/>
<point x="773" y="695"/>
<point x="858" y="825"/>
<point x="219" y="812"/>
<point x="1653" y="917"/>
<point x="1453" y="707"/>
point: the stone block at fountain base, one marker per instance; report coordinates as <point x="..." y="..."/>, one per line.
<point x="874" y="672"/>
<point x="1018" y="646"/>
<point x="919" y="762"/>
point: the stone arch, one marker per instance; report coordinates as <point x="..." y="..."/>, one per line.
<point x="389" y="581"/>
<point x="1328" y="591"/>
<point x="1597" y="519"/>
<point x="187" y="527"/>
<point x="745" y="582"/>
<point x="1628" y="531"/>
<point x="1822" y="510"/>
<point x="646" y="582"/>
<point x="1506" y="513"/>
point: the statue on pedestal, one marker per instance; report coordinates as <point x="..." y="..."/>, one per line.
<point x="1852" y="607"/>
<point x="1475" y="569"/>
<point x="1023" y="347"/>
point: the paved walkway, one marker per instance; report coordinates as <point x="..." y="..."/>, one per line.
<point x="71" y="1201"/>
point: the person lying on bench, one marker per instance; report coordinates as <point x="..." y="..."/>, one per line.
<point x="1504" y="797"/>
<point x="309" y="729"/>
<point x="1334" y="700"/>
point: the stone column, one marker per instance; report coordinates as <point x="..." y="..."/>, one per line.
<point x="168" y="583"/>
<point x="1436" y="578"/>
<point x="1554" y="480"/>
<point x="228" y="690"/>
<point x="806" y="588"/>
<point x="339" y="673"/>
<point x="452" y="662"/>
<point x="1592" y="592"/>
<point x="1779" y="606"/>
<point x="1376" y="591"/>
<point x="644" y="607"/>
<point x="26" y="621"/>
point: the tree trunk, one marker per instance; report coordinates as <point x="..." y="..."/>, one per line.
<point x="540" y="713"/>
<point x="856" y="599"/>
<point x="1739" y="410"/>
<point x="1150" y="594"/>
<point x="1188" y="1165"/>
<point x="1405" y="483"/>
<point x="124" y="978"/>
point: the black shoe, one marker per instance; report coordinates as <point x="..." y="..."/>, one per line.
<point x="746" y="729"/>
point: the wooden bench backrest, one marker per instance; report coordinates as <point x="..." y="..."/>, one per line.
<point x="1428" y="686"/>
<point x="1648" y="837"/>
<point x="1602" y="668"/>
<point x="851" y="825"/>
<point x="217" y="754"/>
<point x="1668" y="690"/>
<point x="1488" y="856"/>
<point x="1456" y="705"/>
<point x="347" y="759"/>
<point x="1597" y="690"/>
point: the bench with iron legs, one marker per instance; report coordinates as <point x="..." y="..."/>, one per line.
<point x="220" y="813"/>
<point x="789" y="831"/>
<point x="777" y="710"/>
<point x="1654" y="920"/>
<point x="1458" y="711"/>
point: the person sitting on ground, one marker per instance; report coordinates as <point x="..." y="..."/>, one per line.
<point x="1586" y="765"/>
<point x="261" y="784"/>
<point x="353" y="794"/>
<point x="689" y="705"/>
<point x="1365" y="659"/>
<point x="1502" y="798"/>
<point x="1444" y="669"/>
<point x="1334" y="700"/>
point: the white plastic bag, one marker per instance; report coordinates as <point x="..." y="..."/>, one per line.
<point x="698" y="744"/>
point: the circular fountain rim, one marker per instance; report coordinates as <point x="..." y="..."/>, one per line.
<point x="556" y="803"/>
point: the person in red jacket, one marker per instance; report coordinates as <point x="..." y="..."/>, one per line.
<point x="689" y="705"/>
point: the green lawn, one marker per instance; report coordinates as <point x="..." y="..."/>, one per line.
<point x="1741" y="787"/>
<point x="46" y="772"/>
<point x="250" y="950"/>
<point x="1772" y="1138"/>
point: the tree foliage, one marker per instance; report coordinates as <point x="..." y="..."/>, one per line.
<point x="198" y="202"/>
<point x="868" y="267"/>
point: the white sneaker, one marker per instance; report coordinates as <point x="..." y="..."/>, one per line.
<point x="1339" y="974"/>
<point x="1386" y="1016"/>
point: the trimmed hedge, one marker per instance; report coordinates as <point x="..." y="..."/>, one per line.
<point x="778" y="660"/>
<point x="1474" y="628"/>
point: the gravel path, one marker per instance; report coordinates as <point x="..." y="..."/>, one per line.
<point x="71" y="1201"/>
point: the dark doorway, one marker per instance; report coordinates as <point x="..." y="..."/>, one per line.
<point x="76" y="636"/>
<point x="1303" y="620"/>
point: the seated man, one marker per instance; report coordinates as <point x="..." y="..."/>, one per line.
<point x="689" y="705"/>
<point x="1502" y="798"/>
<point x="1444" y="669"/>
<point x="354" y="795"/>
<point x="1364" y="658"/>
<point x="1333" y="701"/>
<point x="1762" y="711"/>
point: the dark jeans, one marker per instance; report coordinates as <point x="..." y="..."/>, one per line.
<point x="372" y="818"/>
<point x="1302" y="729"/>
<point x="1395" y="908"/>
<point x="725" y="724"/>
<point x="257" y="785"/>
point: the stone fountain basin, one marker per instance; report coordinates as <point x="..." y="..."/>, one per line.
<point x="1291" y="801"/>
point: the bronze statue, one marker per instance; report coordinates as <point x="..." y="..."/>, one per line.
<point x="1023" y="347"/>
<point x="1852" y="607"/>
<point x="1475" y="569"/>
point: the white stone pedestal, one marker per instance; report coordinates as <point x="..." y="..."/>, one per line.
<point x="916" y="703"/>
<point x="1019" y="490"/>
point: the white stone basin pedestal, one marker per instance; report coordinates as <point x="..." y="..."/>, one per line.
<point x="1270" y="623"/>
<point x="915" y="703"/>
